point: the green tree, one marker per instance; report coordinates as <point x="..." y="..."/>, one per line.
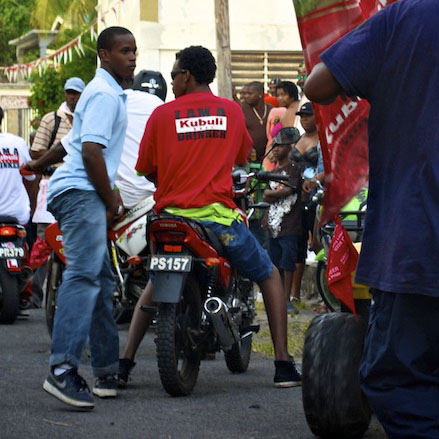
<point x="46" y="93"/>
<point x="14" y="22"/>
<point x="75" y="13"/>
<point x="47" y="90"/>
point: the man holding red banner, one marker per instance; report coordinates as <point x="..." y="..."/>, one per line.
<point x="386" y="62"/>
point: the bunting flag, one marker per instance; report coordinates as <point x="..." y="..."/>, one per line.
<point x="62" y="55"/>
<point x="343" y="124"/>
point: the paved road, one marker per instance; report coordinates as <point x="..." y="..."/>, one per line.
<point x="222" y="405"/>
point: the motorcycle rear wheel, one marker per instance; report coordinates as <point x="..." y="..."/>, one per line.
<point x="54" y="276"/>
<point x="178" y="362"/>
<point x="9" y="296"/>
<point x="333" y="403"/>
<point x="238" y="357"/>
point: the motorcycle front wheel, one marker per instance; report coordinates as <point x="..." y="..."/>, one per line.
<point x="55" y="269"/>
<point x="9" y="296"/>
<point x="178" y="361"/>
<point x="329" y="299"/>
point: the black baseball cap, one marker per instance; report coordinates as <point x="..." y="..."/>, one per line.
<point x="306" y="108"/>
<point x="286" y="136"/>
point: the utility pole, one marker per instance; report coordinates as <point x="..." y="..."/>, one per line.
<point x="223" y="53"/>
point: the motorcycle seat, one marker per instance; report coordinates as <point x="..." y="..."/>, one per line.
<point x="214" y="241"/>
<point x="140" y="209"/>
<point x="206" y="234"/>
<point x="8" y="219"/>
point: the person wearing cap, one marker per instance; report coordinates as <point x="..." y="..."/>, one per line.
<point x="53" y="127"/>
<point x="140" y="103"/>
<point x="73" y="88"/>
<point x="305" y="154"/>
<point x="272" y="86"/>
<point x="284" y="216"/>
<point x="270" y="97"/>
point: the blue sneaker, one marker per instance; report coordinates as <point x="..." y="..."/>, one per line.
<point x="70" y="388"/>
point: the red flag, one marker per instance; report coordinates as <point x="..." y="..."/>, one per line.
<point x="342" y="261"/>
<point x="343" y="124"/>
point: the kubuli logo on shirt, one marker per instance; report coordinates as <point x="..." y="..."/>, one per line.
<point x="201" y="123"/>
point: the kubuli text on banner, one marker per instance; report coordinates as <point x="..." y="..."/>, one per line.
<point x="343" y="124"/>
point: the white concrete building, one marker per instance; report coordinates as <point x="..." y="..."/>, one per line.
<point x="264" y="37"/>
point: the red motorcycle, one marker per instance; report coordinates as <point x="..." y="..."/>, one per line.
<point x="203" y="304"/>
<point x="13" y="275"/>
<point x="126" y="241"/>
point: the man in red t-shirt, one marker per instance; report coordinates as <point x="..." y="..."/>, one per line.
<point x="189" y="148"/>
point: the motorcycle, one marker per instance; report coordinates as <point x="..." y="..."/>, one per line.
<point x="13" y="275"/>
<point x="352" y="216"/>
<point x="127" y="244"/>
<point x="203" y="304"/>
<point x="333" y="403"/>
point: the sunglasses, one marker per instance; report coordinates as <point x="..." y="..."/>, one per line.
<point x="177" y="72"/>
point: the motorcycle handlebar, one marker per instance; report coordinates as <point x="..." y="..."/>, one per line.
<point x="24" y="172"/>
<point x="270" y="176"/>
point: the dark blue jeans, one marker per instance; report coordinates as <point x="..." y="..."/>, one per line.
<point x="400" y="365"/>
<point x="85" y="297"/>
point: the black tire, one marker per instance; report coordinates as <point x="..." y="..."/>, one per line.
<point x="9" y="296"/>
<point x="55" y="269"/>
<point x="329" y="299"/>
<point x="238" y="357"/>
<point x="332" y="399"/>
<point x="178" y="362"/>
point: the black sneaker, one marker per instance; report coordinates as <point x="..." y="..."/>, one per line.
<point x="105" y="387"/>
<point x="125" y="367"/>
<point x="70" y="388"/>
<point x="286" y="374"/>
<point x="23" y="308"/>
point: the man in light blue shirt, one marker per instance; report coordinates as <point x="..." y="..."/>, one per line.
<point x="83" y="202"/>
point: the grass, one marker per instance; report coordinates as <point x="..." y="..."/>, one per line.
<point x="296" y="334"/>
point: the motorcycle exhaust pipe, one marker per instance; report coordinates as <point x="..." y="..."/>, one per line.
<point x="26" y="274"/>
<point x="217" y="310"/>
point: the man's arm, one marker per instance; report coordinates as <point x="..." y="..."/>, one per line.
<point x="321" y="85"/>
<point x="47" y="158"/>
<point x="271" y="195"/>
<point x="96" y="169"/>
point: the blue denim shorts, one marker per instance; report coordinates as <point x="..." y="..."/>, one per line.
<point x="283" y="251"/>
<point x="243" y="250"/>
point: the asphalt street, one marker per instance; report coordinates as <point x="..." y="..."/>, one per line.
<point x="222" y="405"/>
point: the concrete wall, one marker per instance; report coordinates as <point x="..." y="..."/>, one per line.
<point x="14" y="102"/>
<point x="163" y="27"/>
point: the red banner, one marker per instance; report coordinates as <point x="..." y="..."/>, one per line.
<point x="343" y="124"/>
<point x="342" y="261"/>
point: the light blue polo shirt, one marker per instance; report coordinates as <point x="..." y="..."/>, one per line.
<point x="100" y="117"/>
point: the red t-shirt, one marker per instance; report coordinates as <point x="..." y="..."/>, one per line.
<point x="190" y="145"/>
